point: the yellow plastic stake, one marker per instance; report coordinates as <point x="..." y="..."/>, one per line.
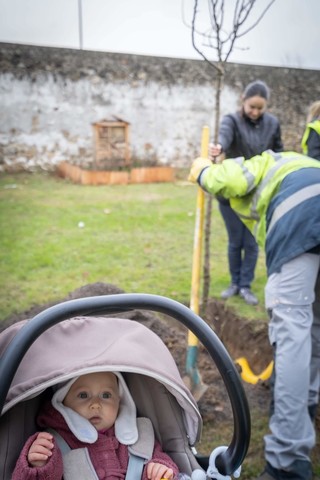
<point x="198" y="239"/>
<point x="194" y="379"/>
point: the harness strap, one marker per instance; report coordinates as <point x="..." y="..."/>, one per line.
<point x="135" y="467"/>
<point x="62" y="444"/>
<point x="139" y="453"/>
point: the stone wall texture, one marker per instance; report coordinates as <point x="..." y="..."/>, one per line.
<point x="50" y="97"/>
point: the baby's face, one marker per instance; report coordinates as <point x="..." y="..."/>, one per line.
<point x="95" y="396"/>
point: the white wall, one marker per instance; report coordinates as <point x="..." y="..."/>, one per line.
<point x="47" y="118"/>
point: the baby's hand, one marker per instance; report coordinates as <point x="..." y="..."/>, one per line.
<point x="41" y="450"/>
<point x="157" y="471"/>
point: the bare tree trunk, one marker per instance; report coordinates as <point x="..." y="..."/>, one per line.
<point x="223" y="43"/>
<point x="219" y="85"/>
<point x="209" y="198"/>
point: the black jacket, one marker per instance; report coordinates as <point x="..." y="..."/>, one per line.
<point x="239" y="136"/>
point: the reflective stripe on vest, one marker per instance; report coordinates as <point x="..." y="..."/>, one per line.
<point x="246" y="173"/>
<point x="280" y="161"/>
<point x="291" y="202"/>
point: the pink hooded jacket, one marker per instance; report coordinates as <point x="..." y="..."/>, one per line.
<point x="108" y="456"/>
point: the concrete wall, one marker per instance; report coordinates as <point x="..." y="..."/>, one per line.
<point x="50" y="97"/>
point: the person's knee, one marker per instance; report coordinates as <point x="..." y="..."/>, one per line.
<point x="234" y="247"/>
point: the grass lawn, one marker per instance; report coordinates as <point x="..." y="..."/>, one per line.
<point x="137" y="237"/>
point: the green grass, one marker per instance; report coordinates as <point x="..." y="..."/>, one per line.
<point x="137" y="237"/>
<point x="254" y="462"/>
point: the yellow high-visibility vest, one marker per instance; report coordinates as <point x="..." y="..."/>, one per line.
<point x="315" y="125"/>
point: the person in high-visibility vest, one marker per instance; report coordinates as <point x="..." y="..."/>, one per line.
<point x="310" y="142"/>
<point x="277" y="196"/>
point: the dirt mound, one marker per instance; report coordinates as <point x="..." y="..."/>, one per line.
<point x="241" y="337"/>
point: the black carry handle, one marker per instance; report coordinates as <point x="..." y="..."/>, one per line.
<point x="226" y="462"/>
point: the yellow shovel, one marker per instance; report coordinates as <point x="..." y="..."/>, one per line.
<point x="193" y="378"/>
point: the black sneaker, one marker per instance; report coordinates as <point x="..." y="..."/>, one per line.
<point x="266" y="476"/>
<point x="248" y="296"/>
<point x="230" y="292"/>
<point x="300" y="470"/>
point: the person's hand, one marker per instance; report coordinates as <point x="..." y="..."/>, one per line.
<point x="157" y="471"/>
<point x="214" y="150"/>
<point x="41" y="450"/>
<point x="197" y="166"/>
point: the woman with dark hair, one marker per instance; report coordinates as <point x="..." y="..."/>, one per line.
<point x="246" y="133"/>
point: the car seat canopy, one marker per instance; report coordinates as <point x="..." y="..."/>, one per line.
<point x="66" y="341"/>
<point x="82" y="345"/>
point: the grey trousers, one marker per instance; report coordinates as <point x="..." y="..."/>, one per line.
<point x="293" y="298"/>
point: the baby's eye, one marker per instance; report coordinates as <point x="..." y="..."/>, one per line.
<point x="83" y="395"/>
<point x="106" y="395"/>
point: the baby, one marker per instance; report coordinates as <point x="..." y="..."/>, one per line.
<point x="94" y="412"/>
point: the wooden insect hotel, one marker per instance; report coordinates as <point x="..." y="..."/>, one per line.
<point x="111" y="144"/>
<point x="112" y="159"/>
